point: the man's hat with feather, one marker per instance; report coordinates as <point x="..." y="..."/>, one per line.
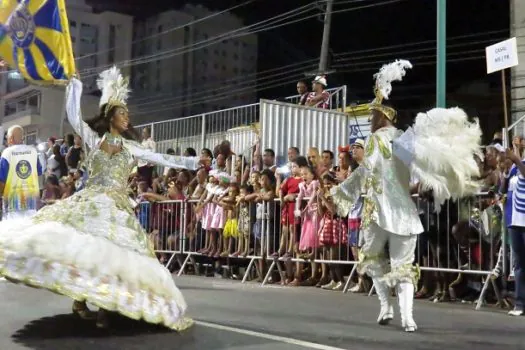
<point x="394" y="71"/>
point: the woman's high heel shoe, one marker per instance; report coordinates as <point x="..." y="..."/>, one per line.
<point x="102" y="319"/>
<point x="81" y="310"/>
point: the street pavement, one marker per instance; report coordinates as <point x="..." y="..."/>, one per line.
<point x="230" y="315"/>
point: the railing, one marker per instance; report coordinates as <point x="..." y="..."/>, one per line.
<point x="465" y="240"/>
<point x="209" y="129"/>
<point x="284" y="125"/>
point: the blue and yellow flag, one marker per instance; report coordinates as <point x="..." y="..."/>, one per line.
<point x="35" y="40"/>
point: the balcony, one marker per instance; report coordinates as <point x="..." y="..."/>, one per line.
<point x="24" y="117"/>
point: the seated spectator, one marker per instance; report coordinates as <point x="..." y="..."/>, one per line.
<point x="302" y="90"/>
<point x="319" y="98"/>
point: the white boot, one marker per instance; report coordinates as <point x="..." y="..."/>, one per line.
<point x="405" y="295"/>
<point x="387" y="310"/>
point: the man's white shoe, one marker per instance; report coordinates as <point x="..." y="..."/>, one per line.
<point x="405" y="295"/>
<point x="385" y="315"/>
<point x="387" y="310"/>
<point x="516" y="312"/>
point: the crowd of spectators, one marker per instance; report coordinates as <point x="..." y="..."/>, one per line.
<point x="64" y="174"/>
<point x="242" y="206"/>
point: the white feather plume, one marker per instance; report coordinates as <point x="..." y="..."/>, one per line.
<point x="394" y="71"/>
<point x="445" y="146"/>
<point x="114" y="86"/>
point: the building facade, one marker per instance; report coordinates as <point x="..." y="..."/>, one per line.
<point x="39" y="110"/>
<point x="99" y="40"/>
<point x="195" y="73"/>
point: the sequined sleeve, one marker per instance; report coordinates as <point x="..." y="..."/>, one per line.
<point x="74" y="114"/>
<point x="347" y="193"/>
<point x="177" y="162"/>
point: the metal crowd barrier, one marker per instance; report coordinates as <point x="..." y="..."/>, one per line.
<point x="466" y="238"/>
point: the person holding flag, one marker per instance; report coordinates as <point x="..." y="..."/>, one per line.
<point x="90" y="246"/>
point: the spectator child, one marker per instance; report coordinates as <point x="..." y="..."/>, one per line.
<point x="231" y="228"/>
<point x="244" y="222"/>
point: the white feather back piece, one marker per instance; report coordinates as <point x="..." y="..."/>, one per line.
<point x="445" y="144"/>
<point x="114" y="87"/>
<point x="394" y="71"/>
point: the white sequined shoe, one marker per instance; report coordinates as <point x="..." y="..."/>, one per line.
<point x="405" y="295"/>
<point x="386" y="314"/>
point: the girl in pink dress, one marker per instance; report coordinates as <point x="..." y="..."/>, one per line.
<point x="207" y="208"/>
<point x="308" y="242"/>
<point x="308" y="189"/>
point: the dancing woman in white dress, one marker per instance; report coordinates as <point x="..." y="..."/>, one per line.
<point x="90" y="246"/>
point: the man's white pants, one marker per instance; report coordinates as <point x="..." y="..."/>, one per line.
<point x="401" y="249"/>
<point x="401" y="274"/>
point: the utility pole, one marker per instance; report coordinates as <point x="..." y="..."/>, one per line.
<point x="441" y="54"/>
<point x="325" y="45"/>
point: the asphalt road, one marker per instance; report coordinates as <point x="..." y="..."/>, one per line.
<point x="233" y="316"/>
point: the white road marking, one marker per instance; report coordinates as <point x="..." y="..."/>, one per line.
<point x="277" y="338"/>
<point x="2" y="279"/>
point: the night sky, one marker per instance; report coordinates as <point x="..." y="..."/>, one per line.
<point x="364" y="39"/>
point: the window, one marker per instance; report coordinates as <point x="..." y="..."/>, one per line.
<point x="235" y="70"/>
<point x="223" y="53"/>
<point x="216" y="66"/>
<point x="235" y="57"/>
<point x="72" y="24"/>
<point x="30" y="138"/>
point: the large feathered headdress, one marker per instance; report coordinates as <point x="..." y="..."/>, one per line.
<point x="114" y="89"/>
<point x="394" y="71"/>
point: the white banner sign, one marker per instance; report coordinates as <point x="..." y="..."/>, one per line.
<point x="502" y="55"/>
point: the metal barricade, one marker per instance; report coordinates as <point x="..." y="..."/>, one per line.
<point x="164" y="223"/>
<point x="204" y="238"/>
<point x="463" y="241"/>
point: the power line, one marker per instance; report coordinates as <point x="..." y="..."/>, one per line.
<point x="280" y="82"/>
<point x="211" y="41"/>
<point x="245" y="80"/>
<point x="243" y="31"/>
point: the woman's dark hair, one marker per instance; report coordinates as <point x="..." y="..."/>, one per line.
<point x="52" y="180"/>
<point x="208" y="152"/>
<point x="270" y="175"/>
<point x="70" y="140"/>
<point x="101" y="124"/>
<point x="312" y="170"/>
<point x="191" y="152"/>
<point x="301" y="161"/>
<point x="60" y="160"/>
<point x="330" y="178"/>
<point x="247" y="188"/>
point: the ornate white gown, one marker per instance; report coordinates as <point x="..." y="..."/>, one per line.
<point x="92" y="248"/>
